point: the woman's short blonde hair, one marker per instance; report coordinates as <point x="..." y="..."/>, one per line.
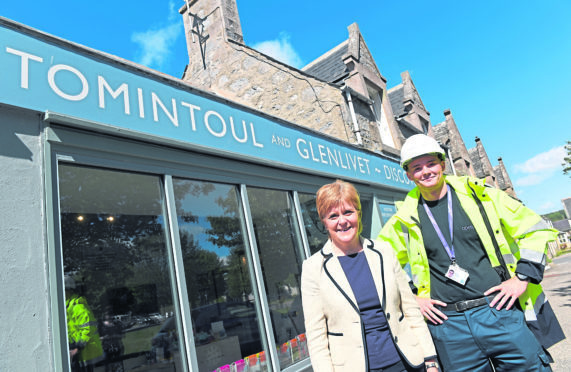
<point x="333" y="194"/>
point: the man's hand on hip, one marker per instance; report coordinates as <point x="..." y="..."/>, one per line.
<point x="430" y="312"/>
<point x="508" y="291"/>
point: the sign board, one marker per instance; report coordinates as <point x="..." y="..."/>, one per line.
<point x="39" y="74"/>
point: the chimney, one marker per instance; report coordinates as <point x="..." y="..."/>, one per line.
<point x="209" y="25"/>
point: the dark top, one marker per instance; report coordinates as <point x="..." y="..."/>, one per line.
<point x="469" y="251"/>
<point x="380" y="346"/>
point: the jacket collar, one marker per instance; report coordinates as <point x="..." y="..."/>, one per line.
<point x="407" y="210"/>
<point x="327" y="250"/>
<point x="336" y="273"/>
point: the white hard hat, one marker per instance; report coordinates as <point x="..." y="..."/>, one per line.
<point x="418" y="145"/>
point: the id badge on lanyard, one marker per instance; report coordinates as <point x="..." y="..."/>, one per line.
<point x="455" y="272"/>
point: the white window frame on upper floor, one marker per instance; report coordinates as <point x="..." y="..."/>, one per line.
<point x="380" y="117"/>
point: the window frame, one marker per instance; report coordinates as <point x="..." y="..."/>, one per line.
<point x="169" y="160"/>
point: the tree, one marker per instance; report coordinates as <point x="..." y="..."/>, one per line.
<point x="567" y="159"/>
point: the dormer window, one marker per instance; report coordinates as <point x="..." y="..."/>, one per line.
<point x="380" y="117"/>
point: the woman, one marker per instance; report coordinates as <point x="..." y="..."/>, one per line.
<point x="360" y="314"/>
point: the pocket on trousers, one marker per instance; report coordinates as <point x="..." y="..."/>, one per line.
<point x="545" y="359"/>
<point x="508" y="318"/>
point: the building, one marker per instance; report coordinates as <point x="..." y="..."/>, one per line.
<point x="567" y="207"/>
<point x="341" y="94"/>
<point x="183" y="217"/>
<point x="472" y="162"/>
<point x="183" y="208"/>
<point x="564" y="236"/>
<point x="564" y="226"/>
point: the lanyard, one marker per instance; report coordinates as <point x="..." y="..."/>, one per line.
<point x="449" y="249"/>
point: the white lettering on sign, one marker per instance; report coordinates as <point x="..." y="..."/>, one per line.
<point x="191" y="109"/>
<point x="123" y="89"/>
<point x="325" y="155"/>
<point x="172" y="116"/>
<point x="207" y="123"/>
<point x="395" y="174"/>
<point x="52" y="82"/>
<point x="141" y="103"/>
<point x="24" y="65"/>
<point x="213" y="122"/>
<point x="153" y="106"/>
<point x="241" y="140"/>
<point x="281" y="141"/>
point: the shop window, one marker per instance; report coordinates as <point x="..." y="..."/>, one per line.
<point x="367" y="218"/>
<point x="387" y="211"/>
<point x="218" y="281"/>
<point x="279" y="246"/>
<point x="317" y="234"/>
<point x="119" y="300"/>
<point x="314" y="229"/>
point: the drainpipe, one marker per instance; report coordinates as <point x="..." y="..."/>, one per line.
<point x="356" y="128"/>
<point x="451" y="161"/>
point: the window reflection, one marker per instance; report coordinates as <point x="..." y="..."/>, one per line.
<point x="367" y="218"/>
<point x="116" y="268"/>
<point x="226" y="331"/>
<point x="279" y="250"/>
<point x="387" y="211"/>
<point x="314" y="229"/>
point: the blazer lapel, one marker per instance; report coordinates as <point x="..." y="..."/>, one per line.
<point x="375" y="261"/>
<point x="337" y="275"/>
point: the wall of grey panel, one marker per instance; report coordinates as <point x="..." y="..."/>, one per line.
<point x="24" y="320"/>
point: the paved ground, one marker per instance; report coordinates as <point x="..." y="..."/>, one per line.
<point x="557" y="285"/>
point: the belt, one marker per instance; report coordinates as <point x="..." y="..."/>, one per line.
<point x="470" y="304"/>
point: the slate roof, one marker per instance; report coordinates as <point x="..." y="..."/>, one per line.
<point x="441" y="133"/>
<point x="329" y="67"/>
<point x="562" y="225"/>
<point x="396" y="97"/>
<point x="477" y="163"/>
<point x="500" y="178"/>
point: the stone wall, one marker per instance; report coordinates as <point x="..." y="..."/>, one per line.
<point x="448" y="134"/>
<point x="366" y="120"/>
<point x="220" y="63"/>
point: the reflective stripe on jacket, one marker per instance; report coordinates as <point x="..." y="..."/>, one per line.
<point x="520" y="233"/>
<point x="82" y="329"/>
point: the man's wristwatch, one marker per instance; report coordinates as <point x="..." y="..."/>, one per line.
<point x="431" y="365"/>
<point x="522" y="277"/>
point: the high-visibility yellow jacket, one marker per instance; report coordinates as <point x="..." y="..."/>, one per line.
<point x="82" y="329"/>
<point x="520" y="234"/>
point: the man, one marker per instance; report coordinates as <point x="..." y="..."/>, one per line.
<point x="84" y="342"/>
<point x="476" y="257"/>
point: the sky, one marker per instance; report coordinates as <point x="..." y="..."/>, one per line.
<point x="503" y="68"/>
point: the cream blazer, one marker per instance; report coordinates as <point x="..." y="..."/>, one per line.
<point x="333" y="326"/>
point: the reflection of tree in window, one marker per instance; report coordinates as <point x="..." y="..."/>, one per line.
<point x="114" y="244"/>
<point x="217" y="273"/>
<point x="202" y="268"/>
<point x="279" y="248"/>
<point x="105" y="246"/>
<point x="216" y="276"/>
<point x="315" y="231"/>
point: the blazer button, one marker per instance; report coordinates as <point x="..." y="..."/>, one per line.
<point x="388" y="316"/>
<point x="396" y="339"/>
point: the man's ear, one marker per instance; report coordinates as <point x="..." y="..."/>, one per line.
<point x="407" y="176"/>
